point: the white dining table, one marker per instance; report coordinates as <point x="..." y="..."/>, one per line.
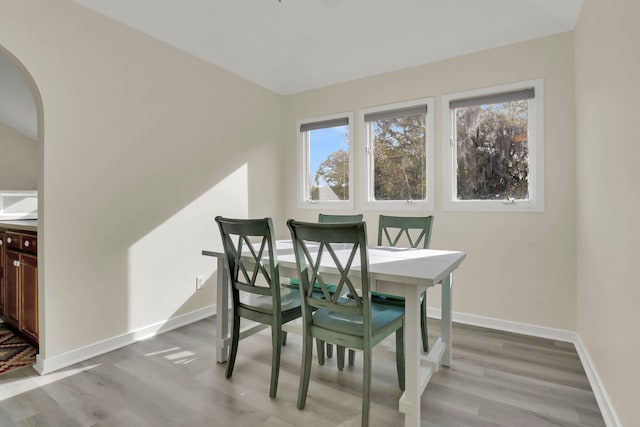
<point x="395" y="271"/>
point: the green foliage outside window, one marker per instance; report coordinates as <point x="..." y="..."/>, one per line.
<point x="399" y="158"/>
<point x="399" y="163"/>
<point x="334" y="171"/>
<point x="492" y="151"/>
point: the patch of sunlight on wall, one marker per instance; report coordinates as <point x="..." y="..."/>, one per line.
<point x="164" y="264"/>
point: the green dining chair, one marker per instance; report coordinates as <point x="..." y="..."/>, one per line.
<point x="411" y="232"/>
<point x="400" y="231"/>
<point x="293" y="282"/>
<point x="336" y="219"/>
<point x="256" y="291"/>
<point x="345" y="316"/>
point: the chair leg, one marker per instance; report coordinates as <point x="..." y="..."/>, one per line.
<point x="329" y="350"/>
<point x="400" y="357"/>
<point x="340" y="356"/>
<point x="320" y="347"/>
<point x="284" y="337"/>
<point x="352" y="357"/>
<point x="366" y="385"/>
<point x="305" y="370"/>
<point x="235" y="337"/>
<point x="423" y="323"/>
<point x="276" y="342"/>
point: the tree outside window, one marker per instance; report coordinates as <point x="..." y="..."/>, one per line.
<point x="492" y="151"/>
<point x="324" y="161"/>
<point x="493" y="147"/>
<point x="398" y="156"/>
<point x="328" y="149"/>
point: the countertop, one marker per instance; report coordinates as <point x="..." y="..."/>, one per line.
<point x="21" y="225"/>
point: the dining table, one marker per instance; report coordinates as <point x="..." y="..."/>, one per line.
<point x="405" y="272"/>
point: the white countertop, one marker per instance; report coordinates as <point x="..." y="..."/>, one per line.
<point x="22" y="225"/>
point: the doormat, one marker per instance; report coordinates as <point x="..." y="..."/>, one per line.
<point x="14" y="351"/>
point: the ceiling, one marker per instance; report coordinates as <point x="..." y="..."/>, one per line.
<point x="289" y="46"/>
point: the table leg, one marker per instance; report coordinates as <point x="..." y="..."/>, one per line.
<point x="222" y="312"/>
<point x="446" y="318"/>
<point x="412" y="352"/>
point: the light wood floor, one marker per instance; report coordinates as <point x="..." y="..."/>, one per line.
<point x="496" y="379"/>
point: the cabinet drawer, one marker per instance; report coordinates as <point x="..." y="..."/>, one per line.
<point x="22" y="242"/>
<point x="29" y="244"/>
<point x="13" y="241"/>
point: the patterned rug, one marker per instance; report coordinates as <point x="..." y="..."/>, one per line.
<point x="14" y="351"/>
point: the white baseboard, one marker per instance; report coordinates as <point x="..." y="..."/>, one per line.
<point x="507" y="326"/>
<point x="45" y="365"/>
<point x="606" y="408"/>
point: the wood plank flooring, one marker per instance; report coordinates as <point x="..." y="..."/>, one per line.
<point x="497" y="379"/>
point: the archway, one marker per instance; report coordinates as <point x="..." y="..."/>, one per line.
<point x="35" y="92"/>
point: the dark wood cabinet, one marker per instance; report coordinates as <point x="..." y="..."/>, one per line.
<point x="11" y="289"/>
<point x="28" y="302"/>
<point x="20" y="283"/>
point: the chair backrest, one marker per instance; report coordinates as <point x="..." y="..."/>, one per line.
<point x="251" y="238"/>
<point x="342" y="245"/>
<point x="415" y="230"/>
<point x="333" y="219"/>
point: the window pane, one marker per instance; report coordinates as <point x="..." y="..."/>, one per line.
<point x="399" y="158"/>
<point x="493" y="151"/>
<point x="328" y="164"/>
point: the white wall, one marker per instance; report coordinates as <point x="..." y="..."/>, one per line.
<point x="608" y="148"/>
<point x="19" y="162"/>
<point x="143" y="146"/>
<point x="17" y="104"/>
<point x="521" y="267"/>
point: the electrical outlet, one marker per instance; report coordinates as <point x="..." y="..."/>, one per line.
<point x="199" y="282"/>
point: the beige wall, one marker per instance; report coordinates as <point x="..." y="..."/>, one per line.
<point x="520" y="267"/>
<point x="143" y="146"/>
<point x="608" y="149"/>
<point x="19" y="160"/>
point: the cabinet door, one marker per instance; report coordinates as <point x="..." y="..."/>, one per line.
<point x="11" y="292"/>
<point x="29" y="296"/>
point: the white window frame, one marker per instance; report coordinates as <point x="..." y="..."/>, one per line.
<point x="367" y="168"/>
<point x="535" y="203"/>
<point x="303" y="166"/>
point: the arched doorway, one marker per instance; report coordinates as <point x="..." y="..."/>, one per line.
<point x="21" y="124"/>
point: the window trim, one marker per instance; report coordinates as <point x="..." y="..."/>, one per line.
<point x="302" y="166"/>
<point x="366" y="163"/>
<point x="536" y="152"/>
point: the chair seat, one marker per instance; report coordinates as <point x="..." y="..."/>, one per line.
<point x="295" y="283"/>
<point x="289" y="299"/>
<point x="381" y="317"/>
<point x="386" y="297"/>
<point x="380" y="298"/>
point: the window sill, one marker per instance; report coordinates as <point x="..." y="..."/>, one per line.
<point x="492" y="206"/>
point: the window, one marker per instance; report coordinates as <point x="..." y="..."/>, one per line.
<point x="324" y="162"/>
<point x="493" y="140"/>
<point x="397" y="147"/>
